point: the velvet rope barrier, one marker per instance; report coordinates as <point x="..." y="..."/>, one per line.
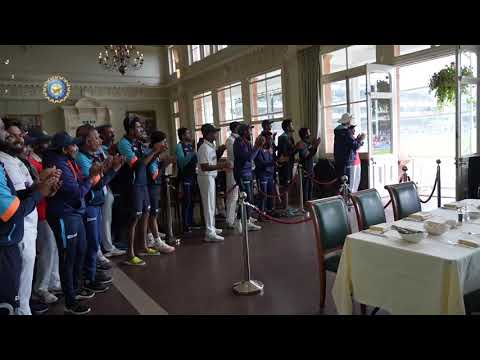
<point x="331" y="182"/>
<point x="294" y="181"/>
<point x="295" y="222"/>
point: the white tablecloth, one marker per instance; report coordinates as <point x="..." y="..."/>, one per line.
<point x="429" y="277"/>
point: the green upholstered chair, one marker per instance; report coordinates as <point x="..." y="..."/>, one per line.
<point x="331" y="226"/>
<point x="405" y="199"/>
<point x="368" y="208"/>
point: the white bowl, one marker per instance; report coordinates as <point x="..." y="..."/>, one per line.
<point x="436" y="228"/>
<point x="413" y="238"/>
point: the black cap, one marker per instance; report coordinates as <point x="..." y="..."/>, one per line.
<point x="208" y="128"/>
<point x="243" y="127"/>
<point x="63" y="139"/>
<point x="233" y="125"/>
<point x="265" y="122"/>
<point x="36" y="136"/>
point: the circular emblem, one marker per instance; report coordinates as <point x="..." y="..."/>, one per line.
<point x="56" y="89"/>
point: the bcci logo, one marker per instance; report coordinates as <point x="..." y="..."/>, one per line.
<point x="56" y="89"/>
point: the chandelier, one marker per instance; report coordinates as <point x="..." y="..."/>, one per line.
<point x="120" y="57"/>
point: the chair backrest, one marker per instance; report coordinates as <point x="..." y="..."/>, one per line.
<point x="330" y="220"/>
<point x="368" y="208"/>
<point x="6" y="309"/>
<point x="405" y="199"/>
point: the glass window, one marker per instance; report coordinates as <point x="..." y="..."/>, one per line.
<point x="203" y="109"/>
<point x="336" y="103"/>
<point x="221" y="47"/>
<point x="359" y="55"/>
<point x="266" y="96"/>
<point x="335" y="93"/>
<point x="407" y="49"/>
<point x="206" y="50"/>
<point x="176" y="115"/>
<point x="230" y="103"/>
<point x="380" y="82"/>
<point x="358" y="88"/>
<point x="172" y="60"/>
<point x="334" y="61"/>
<point x="469" y="119"/>
<point x="194" y="53"/>
<point x="468" y="63"/>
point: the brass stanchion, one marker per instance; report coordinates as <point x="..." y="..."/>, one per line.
<point x="171" y="239"/>
<point x="247" y="286"/>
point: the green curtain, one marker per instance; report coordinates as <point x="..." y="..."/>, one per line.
<point x="309" y="85"/>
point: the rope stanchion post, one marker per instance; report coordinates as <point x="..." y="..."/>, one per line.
<point x="439" y="185"/>
<point x="300" y="186"/>
<point x="171" y="239"/>
<point x="345" y="191"/>
<point x="247" y="286"/>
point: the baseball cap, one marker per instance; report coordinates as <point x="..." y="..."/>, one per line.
<point x="208" y="128"/>
<point x="36" y="136"/>
<point x="63" y="139"/>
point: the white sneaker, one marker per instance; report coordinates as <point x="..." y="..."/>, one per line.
<point x="238" y="226"/>
<point x="162" y="235"/>
<point x="252" y="219"/>
<point x="46" y="297"/>
<point x="213" y="238"/>
<point x="218" y="231"/>
<point x="103" y="259"/>
<point x="150" y="238"/>
<point x="252" y="227"/>
<point x="163" y="247"/>
<point x="115" y="252"/>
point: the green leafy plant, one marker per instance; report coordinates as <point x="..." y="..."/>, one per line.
<point x="444" y="84"/>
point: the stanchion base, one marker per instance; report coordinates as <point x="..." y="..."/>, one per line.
<point x="251" y="287"/>
<point x="174" y="241"/>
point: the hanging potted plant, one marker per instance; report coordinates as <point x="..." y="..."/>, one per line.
<point x="444" y="84"/>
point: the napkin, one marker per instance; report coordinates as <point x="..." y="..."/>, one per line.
<point x="380" y="228"/>
<point x="453" y="206"/>
<point x="474" y="243"/>
<point x="420" y="216"/>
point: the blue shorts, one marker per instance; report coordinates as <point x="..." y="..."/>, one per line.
<point x="155" y="194"/>
<point x="140" y="200"/>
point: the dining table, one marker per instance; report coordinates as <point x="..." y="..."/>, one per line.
<point x="430" y="277"/>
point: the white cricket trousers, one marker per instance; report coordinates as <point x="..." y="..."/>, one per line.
<point x="47" y="261"/>
<point x="107" y="221"/>
<point x="28" y="249"/>
<point x="355" y="183"/>
<point x="232" y="198"/>
<point x="207" y="191"/>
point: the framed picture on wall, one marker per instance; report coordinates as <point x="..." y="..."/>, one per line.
<point x="148" y="119"/>
<point x="28" y="121"/>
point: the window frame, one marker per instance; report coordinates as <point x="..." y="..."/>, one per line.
<point x="229" y="88"/>
<point x="250" y="82"/>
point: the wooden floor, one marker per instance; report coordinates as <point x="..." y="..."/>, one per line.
<point x="198" y="277"/>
